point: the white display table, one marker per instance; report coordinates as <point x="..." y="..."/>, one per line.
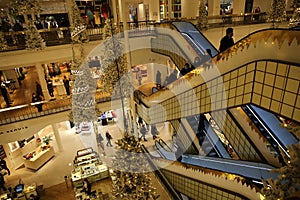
<point x="92" y="172"/>
<point x="39" y="159"/>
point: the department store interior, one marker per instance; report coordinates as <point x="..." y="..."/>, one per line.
<point x="211" y="124"/>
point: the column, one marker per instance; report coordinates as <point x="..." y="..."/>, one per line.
<point x="213" y="7"/>
<point x="238" y="6"/>
<point x="57" y="137"/>
<point x="170" y="15"/>
<point x="42" y="81"/>
<point x="114" y="10"/>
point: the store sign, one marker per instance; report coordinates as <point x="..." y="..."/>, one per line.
<point x="14" y="130"/>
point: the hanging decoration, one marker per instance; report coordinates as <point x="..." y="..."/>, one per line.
<point x="288" y="183"/>
<point x="34" y="40"/>
<point x="129" y="182"/>
<point x="3" y="42"/>
<point x="202" y="18"/>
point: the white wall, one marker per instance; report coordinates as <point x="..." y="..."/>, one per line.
<point x="153" y="9"/>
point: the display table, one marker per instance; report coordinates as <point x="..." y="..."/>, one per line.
<point x="30" y="189"/>
<point x="93" y="172"/>
<point x="39" y="158"/>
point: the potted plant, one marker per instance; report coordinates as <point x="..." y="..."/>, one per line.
<point x="46" y="139"/>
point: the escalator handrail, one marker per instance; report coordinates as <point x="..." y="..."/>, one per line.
<point x="161" y="141"/>
<point x="268" y="130"/>
<point x="199" y="49"/>
<point x="161" y="176"/>
<point x="157" y="144"/>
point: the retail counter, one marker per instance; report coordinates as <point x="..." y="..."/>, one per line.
<point x="39" y="159"/>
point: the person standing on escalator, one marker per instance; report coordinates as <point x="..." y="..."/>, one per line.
<point x="227" y="40"/>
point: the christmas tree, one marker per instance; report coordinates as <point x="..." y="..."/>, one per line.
<point x="295" y="19"/>
<point x="3" y="42"/>
<point x="277" y="12"/>
<point x="202" y="18"/>
<point x="288" y="182"/>
<point x="115" y="77"/>
<point x="34" y="40"/>
<point x="115" y="72"/>
<point x="24" y="7"/>
<point x="131" y="177"/>
<point x="83" y="95"/>
<point x="78" y="29"/>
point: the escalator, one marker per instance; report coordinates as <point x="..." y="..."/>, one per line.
<point x="251" y="170"/>
<point x="197" y="40"/>
<point x="209" y="141"/>
<point x="269" y="126"/>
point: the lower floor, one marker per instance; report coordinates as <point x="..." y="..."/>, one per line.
<point x="53" y="179"/>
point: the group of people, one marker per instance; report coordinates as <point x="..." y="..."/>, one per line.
<point x="143" y="130"/>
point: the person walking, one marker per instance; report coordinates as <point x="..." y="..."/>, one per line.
<point x="158" y="79"/>
<point x="39" y="90"/>
<point x="2" y="182"/>
<point x="227" y="40"/>
<point x="108" y="138"/>
<point x="154" y="131"/>
<point x="50" y="87"/>
<point x="67" y="84"/>
<point x="4" y="166"/>
<point x="143" y="132"/>
<point x="139" y="75"/>
<point x="35" y="99"/>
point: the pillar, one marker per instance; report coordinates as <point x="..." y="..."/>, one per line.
<point x="213" y="7"/>
<point x="114" y="10"/>
<point x="42" y="81"/>
<point x="238" y="6"/>
<point x="57" y="137"/>
<point x="170" y="15"/>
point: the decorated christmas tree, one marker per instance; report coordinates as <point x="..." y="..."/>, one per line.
<point x="288" y="182"/>
<point x="78" y="29"/>
<point x="277" y="12"/>
<point x="24" y="7"/>
<point x="131" y="171"/>
<point x="3" y="42"/>
<point x="202" y="18"/>
<point x="83" y="95"/>
<point x="34" y="40"/>
<point x="115" y="75"/>
<point x="115" y="71"/>
<point x="295" y="19"/>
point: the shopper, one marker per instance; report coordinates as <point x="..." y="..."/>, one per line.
<point x="67" y="85"/>
<point x="39" y="90"/>
<point x="158" y="79"/>
<point x="143" y="132"/>
<point x="108" y="138"/>
<point x="37" y="99"/>
<point x="50" y="87"/>
<point x="154" y="131"/>
<point x="139" y="75"/>
<point x="227" y="40"/>
<point x="2" y="182"/>
<point x="5" y="94"/>
<point x="4" y="166"/>
<point x="87" y="186"/>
